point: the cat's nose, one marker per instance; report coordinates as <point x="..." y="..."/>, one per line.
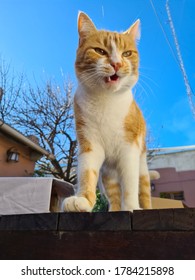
<point x="116" y="65"/>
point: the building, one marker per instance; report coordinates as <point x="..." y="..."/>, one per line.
<point x="18" y="153"/>
<point x="177" y="174"/>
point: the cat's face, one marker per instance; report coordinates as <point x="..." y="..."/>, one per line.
<point x="106" y="60"/>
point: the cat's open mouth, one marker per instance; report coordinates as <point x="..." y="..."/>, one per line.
<point x="112" y="78"/>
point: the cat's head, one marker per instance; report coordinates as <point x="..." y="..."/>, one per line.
<point x="106" y="60"/>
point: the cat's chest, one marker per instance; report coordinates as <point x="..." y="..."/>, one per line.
<point x="104" y="118"/>
<point x="107" y="116"/>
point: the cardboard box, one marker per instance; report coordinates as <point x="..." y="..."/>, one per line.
<point x="164" y="203"/>
<point x="23" y="195"/>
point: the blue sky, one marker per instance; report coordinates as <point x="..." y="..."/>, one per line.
<point x="39" y="38"/>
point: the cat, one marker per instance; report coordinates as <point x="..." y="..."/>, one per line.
<point x="110" y="126"/>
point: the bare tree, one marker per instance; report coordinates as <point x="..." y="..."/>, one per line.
<point x="10" y="89"/>
<point x="46" y="112"/>
<point x="152" y="145"/>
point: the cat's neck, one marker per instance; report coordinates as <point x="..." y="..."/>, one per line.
<point x="104" y="94"/>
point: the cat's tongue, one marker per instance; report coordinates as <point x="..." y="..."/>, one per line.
<point x="112" y="78"/>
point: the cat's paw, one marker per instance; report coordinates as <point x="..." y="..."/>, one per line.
<point x="130" y="209"/>
<point x="76" y="204"/>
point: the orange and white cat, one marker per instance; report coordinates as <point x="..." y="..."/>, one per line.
<point x="110" y="127"/>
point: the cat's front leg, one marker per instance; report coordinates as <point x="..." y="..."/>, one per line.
<point x="89" y="164"/>
<point x="144" y="183"/>
<point x="129" y="174"/>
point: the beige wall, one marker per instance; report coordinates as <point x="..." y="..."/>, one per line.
<point x="25" y="166"/>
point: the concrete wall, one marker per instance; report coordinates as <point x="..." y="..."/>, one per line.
<point x="181" y="161"/>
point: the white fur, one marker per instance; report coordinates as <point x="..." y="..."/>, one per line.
<point x="76" y="204"/>
<point x="104" y="116"/>
<point x="115" y="57"/>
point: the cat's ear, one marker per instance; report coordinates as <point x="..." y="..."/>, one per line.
<point x="134" y="30"/>
<point x="85" y="26"/>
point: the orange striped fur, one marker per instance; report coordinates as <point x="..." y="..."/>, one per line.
<point x="110" y="126"/>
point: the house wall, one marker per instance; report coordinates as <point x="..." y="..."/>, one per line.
<point x="24" y="167"/>
<point x="173" y="181"/>
<point x="177" y="174"/>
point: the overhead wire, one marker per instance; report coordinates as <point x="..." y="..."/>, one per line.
<point x="180" y="59"/>
<point x="164" y="33"/>
<point x="177" y="56"/>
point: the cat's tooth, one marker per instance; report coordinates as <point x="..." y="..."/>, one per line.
<point x="107" y="79"/>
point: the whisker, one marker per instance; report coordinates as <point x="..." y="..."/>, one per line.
<point x="143" y="90"/>
<point x="149" y="78"/>
<point x="89" y="79"/>
<point x="146" y="88"/>
<point x="145" y="84"/>
<point x="89" y="75"/>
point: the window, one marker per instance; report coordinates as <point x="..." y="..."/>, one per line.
<point x="173" y="195"/>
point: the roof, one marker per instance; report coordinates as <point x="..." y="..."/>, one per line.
<point x="172" y="150"/>
<point x="24" y="140"/>
<point x="181" y="158"/>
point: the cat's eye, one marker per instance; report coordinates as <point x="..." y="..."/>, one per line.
<point x="127" y="53"/>
<point x="100" y="51"/>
